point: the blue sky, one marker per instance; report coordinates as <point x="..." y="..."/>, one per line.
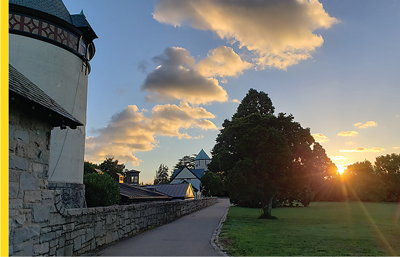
<point x="157" y="91"/>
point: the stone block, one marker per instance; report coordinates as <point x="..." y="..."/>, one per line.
<point x="77" y="233"/>
<point x="47" y="237"/>
<point x="98" y="229"/>
<point x="13" y="175"/>
<point x="32" y="196"/>
<point x="20" y="219"/>
<point x="89" y="234"/>
<point x="74" y="212"/>
<point x="41" y="249"/>
<point x="56" y="219"/>
<point x="53" y="251"/>
<point x="24" y="249"/>
<point x="28" y="181"/>
<point x="41" y="212"/>
<point x="26" y="233"/>
<point x="18" y="163"/>
<point x="13" y="189"/>
<point x="21" y="135"/>
<point x="38" y="168"/>
<point x="69" y="226"/>
<point x="15" y="203"/>
<point x="77" y="243"/>
<point x="68" y="250"/>
<point x="53" y="242"/>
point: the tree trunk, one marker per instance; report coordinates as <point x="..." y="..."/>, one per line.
<point x="267" y="208"/>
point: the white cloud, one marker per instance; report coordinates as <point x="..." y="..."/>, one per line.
<point x="337" y="158"/>
<point x="361" y="125"/>
<point x="347" y="134"/>
<point x="176" y="78"/>
<point x="320" y="137"/>
<point x="279" y="33"/>
<point x="222" y="62"/>
<point x="130" y="130"/>
<point x="396" y="147"/>
<point x="363" y="150"/>
<point x="236" y="101"/>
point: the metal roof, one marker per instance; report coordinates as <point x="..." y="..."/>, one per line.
<point x="202" y="156"/>
<point x="139" y="193"/>
<point x="53" y="7"/>
<point x="172" y="190"/>
<point x="22" y="88"/>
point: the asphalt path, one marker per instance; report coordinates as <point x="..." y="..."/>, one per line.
<point x="189" y="235"/>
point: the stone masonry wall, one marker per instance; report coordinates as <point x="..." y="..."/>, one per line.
<point x="40" y="223"/>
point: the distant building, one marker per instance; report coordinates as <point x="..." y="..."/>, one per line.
<point x="193" y="176"/>
<point x="52" y="48"/>
<point x="182" y="191"/>
<point x="133" y="193"/>
<point x="132" y="177"/>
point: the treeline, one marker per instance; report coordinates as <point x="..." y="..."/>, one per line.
<point x="262" y="160"/>
<point x="366" y="182"/>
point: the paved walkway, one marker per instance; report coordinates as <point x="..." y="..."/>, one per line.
<point x="187" y="236"/>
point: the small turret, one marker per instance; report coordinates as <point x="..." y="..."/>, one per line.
<point x="202" y="160"/>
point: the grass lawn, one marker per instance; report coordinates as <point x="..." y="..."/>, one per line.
<point x="323" y="228"/>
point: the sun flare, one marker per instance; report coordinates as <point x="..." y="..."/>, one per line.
<point x="341" y="169"/>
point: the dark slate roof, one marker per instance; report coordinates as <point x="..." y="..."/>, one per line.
<point x="202" y="156"/>
<point x="22" y="88"/>
<point x="53" y="7"/>
<point x="173" y="190"/>
<point x="133" y="171"/>
<point x="79" y="20"/>
<point x="198" y="173"/>
<point x="140" y="194"/>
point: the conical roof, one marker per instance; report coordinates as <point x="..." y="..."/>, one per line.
<point x="53" y="7"/>
<point x="202" y="156"/>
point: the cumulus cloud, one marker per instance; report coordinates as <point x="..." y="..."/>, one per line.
<point x="320" y="137"/>
<point x="361" y="125"/>
<point x="222" y="62"/>
<point x="363" y="150"/>
<point x="337" y="158"/>
<point x="279" y="33"/>
<point x="130" y="130"/>
<point x="347" y="134"/>
<point x="176" y="78"/>
<point x="236" y="101"/>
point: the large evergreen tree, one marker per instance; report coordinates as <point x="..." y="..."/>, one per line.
<point x="262" y="157"/>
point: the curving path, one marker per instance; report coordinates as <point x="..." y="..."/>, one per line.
<point x="187" y="236"/>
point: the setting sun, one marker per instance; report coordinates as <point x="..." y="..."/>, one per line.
<point x="341" y="169"/>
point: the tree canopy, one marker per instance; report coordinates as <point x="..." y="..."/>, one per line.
<point x="162" y="175"/>
<point x="186" y="160"/>
<point x="262" y="157"/>
<point x="111" y="167"/>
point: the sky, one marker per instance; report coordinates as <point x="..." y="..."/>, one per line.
<point x="166" y="74"/>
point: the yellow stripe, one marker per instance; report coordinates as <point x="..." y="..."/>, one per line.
<point x="4" y="128"/>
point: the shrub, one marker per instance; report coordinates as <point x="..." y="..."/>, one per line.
<point x="100" y="190"/>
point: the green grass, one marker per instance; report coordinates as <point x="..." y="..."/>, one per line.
<point x="346" y="228"/>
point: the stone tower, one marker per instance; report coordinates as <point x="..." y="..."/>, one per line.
<point x="53" y="48"/>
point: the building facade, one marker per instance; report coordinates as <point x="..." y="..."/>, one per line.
<point x="53" y="48"/>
